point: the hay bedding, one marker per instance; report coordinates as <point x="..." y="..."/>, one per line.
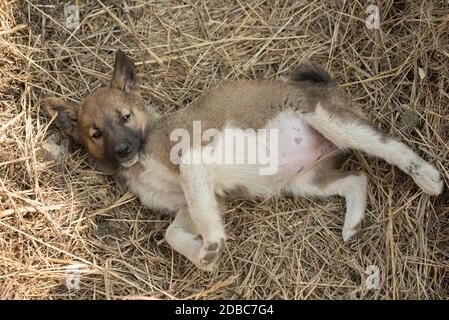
<point x="56" y="212"/>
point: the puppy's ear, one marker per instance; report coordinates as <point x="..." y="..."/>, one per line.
<point x="124" y="76"/>
<point x="67" y="115"/>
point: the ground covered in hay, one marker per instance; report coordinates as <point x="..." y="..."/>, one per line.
<point x="59" y="216"/>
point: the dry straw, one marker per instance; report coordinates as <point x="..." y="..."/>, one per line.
<point x="59" y="213"/>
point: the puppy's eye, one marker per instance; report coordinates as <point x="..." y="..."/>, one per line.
<point x="125" y="119"/>
<point x="97" y="134"/>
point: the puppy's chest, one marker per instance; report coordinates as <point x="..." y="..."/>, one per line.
<point x="155" y="185"/>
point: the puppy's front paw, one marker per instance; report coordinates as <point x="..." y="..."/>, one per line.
<point x="209" y="254"/>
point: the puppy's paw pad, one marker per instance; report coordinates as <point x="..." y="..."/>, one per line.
<point x="210" y="252"/>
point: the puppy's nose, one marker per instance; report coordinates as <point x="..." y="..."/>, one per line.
<point x="123" y="150"/>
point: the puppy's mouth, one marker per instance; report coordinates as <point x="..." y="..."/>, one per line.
<point x="132" y="158"/>
<point x="131" y="161"/>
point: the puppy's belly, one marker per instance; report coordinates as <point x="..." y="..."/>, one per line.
<point x="291" y="145"/>
<point x="300" y="145"/>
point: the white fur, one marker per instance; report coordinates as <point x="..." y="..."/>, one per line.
<point x="182" y="236"/>
<point x="157" y="187"/>
<point x="353" y="188"/>
<point x="131" y="162"/>
<point x="199" y="192"/>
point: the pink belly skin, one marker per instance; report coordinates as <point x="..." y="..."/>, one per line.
<point x="299" y="145"/>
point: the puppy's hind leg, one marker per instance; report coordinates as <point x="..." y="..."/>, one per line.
<point x="348" y="130"/>
<point x="323" y="181"/>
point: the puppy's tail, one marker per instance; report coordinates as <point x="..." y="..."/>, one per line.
<point x="312" y="73"/>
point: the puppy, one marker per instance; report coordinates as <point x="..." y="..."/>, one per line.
<point x="258" y="137"/>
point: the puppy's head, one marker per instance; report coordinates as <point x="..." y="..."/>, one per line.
<point x="111" y="123"/>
